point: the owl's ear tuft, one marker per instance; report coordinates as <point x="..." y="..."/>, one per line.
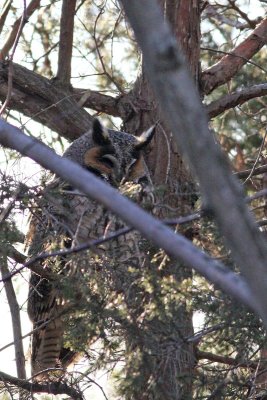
<point x="100" y="134"/>
<point x="145" y="138"/>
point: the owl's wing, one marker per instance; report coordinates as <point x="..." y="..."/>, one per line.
<point x="47" y="324"/>
<point x="46" y="233"/>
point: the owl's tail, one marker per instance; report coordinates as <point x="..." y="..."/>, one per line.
<point x="46" y="348"/>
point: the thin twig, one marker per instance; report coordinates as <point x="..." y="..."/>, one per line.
<point x="229" y="53"/>
<point x="100" y="55"/>
<point x="3" y="54"/>
<point x="5" y="213"/>
<point x="61" y="253"/>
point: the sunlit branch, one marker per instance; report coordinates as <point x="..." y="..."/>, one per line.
<point x="230" y="64"/>
<point x="165" y="68"/>
<point x="17" y="28"/>
<point x="174" y="244"/>
<point x="235" y="99"/>
<point x="4" y="14"/>
<point x="66" y="41"/>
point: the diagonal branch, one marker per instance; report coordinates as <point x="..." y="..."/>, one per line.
<point x="257" y="171"/>
<point x="4" y="14"/>
<point x="174" y="244"/>
<point x="34" y="4"/>
<point x="50" y="387"/>
<point x="66" y="41"/>
<point x="205" y="355"/>
<point x="236" y="99"/>
<point x="177" y="96"/>
<point x="56" y="107"/>
<point x="40" y="99"/>
<point x="229" y="65"/>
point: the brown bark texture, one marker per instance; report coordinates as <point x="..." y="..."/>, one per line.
<point x="169" y="171"/>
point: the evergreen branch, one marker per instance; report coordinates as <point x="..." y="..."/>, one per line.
<point x="6" y="212"/>
<point x="77" y="249"/>
<point x="173" y="243"/>
<point x="20" y="258"/>
<point x="50" y="387"/>
<point x="166" y="68"/>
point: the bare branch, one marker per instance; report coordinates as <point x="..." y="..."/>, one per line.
<point x="50" y="387"/>
<point x="257" y="171"/>
<point x="66" y="41"/>
<point x="205" y="355"/>
<point x="229" y="53"/>
<point x="98" y="101"/>
<point x="18" y="25"/>
<point x="10" y="70"/>
<point x="229" y="65"/>
<point x="4" y="14"/>
<point x="235" y="99"/>
<point x="251" y="23"/>
<point x="15" y="316"/>
<point x="15" y="255"/>
<point x="54" y="106"/>
<point x="37" y="97"/>
<point x="169" y="77"/>
<point x="212" y="12"/>
<point x="7" y="210"/>
<point x="174" y="244"/>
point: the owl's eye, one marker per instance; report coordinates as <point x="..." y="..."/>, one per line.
<point x="143" y="180"/>
<point x="132" y="164"/>
<point x="110" y="161"/>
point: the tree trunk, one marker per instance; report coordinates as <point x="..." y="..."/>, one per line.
<point x="168" y="360"/>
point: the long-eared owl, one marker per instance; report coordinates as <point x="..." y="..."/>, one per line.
<point x="64" y="218"/>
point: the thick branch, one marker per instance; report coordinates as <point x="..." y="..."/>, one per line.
<point x="235" y="99"/>
<point x="186" y="117"/>
<point x="66" y="41"/>
<point x="34" y="4"/>
<point x="54" y="106"/>
<point x="51" y="387"/>
<point x="99" y="102"/>
<point x="41" y="100"/>
<point x="230" y="64"/>
<point x="249" y="172"/>
<point x="174" y="244"/>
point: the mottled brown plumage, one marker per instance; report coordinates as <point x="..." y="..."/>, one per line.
<point x="64" y="218"/>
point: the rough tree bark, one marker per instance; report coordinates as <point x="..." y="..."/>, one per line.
<point x="170" y="173"/>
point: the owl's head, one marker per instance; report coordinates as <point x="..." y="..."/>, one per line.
<point x="114" y="156"/>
